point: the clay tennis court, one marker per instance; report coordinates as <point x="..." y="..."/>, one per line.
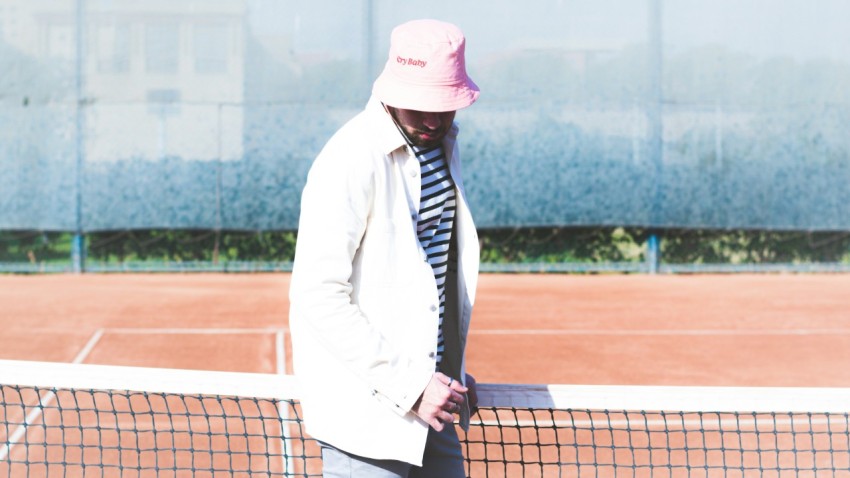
<point x="742" y="330"/>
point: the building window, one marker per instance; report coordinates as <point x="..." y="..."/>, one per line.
<point x="61" y="41"/>
<point x="113" y="48"/>
<point x="162" y="48"/>
<point x="210" y="46"/>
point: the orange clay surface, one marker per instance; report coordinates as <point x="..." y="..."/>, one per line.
<point x="777" y="329"/>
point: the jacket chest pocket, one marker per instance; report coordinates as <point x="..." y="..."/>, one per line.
<point x="389" y="254"/>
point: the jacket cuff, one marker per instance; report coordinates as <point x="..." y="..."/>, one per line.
<point x="403" y="396"/>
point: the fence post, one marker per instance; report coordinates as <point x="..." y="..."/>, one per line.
<point x="78" y="256"/>
<point x="78" y="253"/>
<point x="653" y="253"/>
<point x="368" y="25"/>
<point x="655" y="115"/>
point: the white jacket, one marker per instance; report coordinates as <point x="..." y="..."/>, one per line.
<point x="364" y="308"/>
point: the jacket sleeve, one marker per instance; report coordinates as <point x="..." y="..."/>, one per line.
<point x="335" y="209"/>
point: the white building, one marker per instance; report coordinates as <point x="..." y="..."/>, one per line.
<point x="161" y="78"/>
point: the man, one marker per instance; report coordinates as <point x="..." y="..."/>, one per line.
<point x="385" y="271"/>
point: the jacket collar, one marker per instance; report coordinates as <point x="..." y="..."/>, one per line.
<point x="387" y="136"/>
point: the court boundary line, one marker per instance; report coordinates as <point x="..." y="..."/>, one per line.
<point x="663" y="332"/>
<point x="475" y="331"/>
<point x="286" y="438"/>
<point x="44" y="402"/>
<point x="198" y="331"/>
<point x="279" y="360"/>
<point x="98" y="334"/>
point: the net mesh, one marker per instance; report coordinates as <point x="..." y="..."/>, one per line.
<point x="521" y="442"/>
<point x="519" y="431"/>
<point x="62" y="432"/>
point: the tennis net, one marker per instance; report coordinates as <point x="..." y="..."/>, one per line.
<point x="89" y="421"/>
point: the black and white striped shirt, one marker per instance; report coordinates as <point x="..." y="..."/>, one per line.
<point x="437" y="208"/>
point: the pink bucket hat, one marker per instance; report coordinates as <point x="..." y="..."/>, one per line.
<point x="426" y="69"/>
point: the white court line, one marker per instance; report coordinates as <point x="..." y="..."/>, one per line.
<point x="45" y="401"/>
<point x="662" y="332"/>
<point x="280" y="353"/>
<point x="49" y="397"/>
<point x="282" y="407"/>
<point x="95" y="338"/>
<point x="189" y="331"/>
<point x="280" y="364"/>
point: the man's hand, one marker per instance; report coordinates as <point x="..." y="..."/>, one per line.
<point x="439" y="402"/>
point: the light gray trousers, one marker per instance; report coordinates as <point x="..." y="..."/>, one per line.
<point x="443" y="459"/>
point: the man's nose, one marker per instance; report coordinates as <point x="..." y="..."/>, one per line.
<point x="431" y="120"/>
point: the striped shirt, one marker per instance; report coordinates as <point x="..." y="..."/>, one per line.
<point x="436" y="215"/>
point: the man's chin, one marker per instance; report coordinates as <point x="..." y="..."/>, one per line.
<point x="427" y="142"/>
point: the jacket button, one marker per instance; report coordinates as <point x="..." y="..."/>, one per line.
<point x="433" y="308"/>
<point x="432" y="355"/>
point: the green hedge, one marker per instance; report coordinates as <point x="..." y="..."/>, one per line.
<point x="499" y="246"/>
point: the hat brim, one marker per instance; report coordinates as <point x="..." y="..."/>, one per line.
<point x="430" y="98"/>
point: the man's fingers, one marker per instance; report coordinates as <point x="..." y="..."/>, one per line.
<point x="456" y="397"/>
<point x="457" y="387"/>
<point x="440" y="401"/>
<point x="436" y="424"/>
<point x="451" y="383"/>
<point x="440" y="420"/>
<point x="446" y="417"/>
<point x="454" y="394"/>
